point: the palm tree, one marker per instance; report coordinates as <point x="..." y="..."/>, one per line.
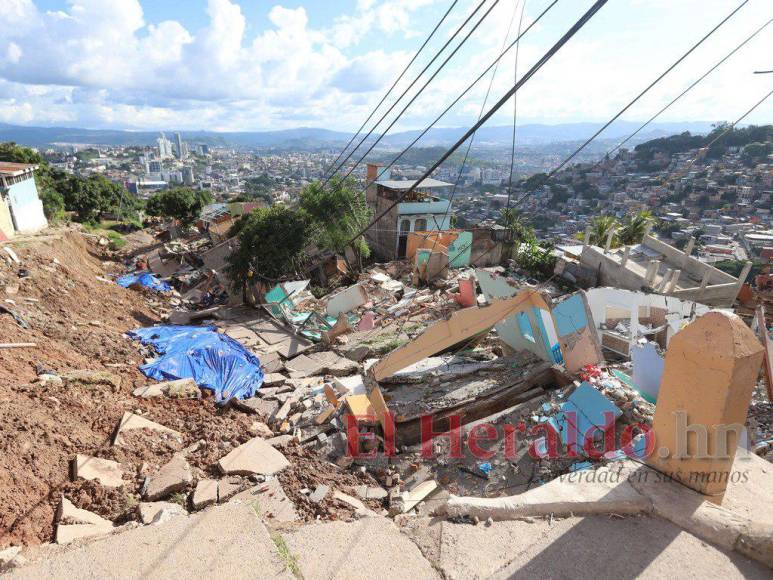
<point x="600" y="227"/>
<point x="634" y="227"/>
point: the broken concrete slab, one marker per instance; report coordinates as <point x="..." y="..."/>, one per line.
<point x="67" y="513"/>
<point x="366" y="492"/>
<point x="205" y="494"/>
<point x="263" y="407"/>
<point x="130" y="422"/>
<point x="11" y="558"/>
<point x="150" y="510"/>
<point x="108" y="473"/>
<point x="270" y="501"/>
<point x="92" y="378"/>
<point x="304" y="366"/>
<point x="410" y="499"/>
<point x="273" y="379"/>
<point x="347" y="300"/>
<point x="360" y="508"/>
<point x="66" y="533"/>
<point x="229" y="541"/>
<point x="229" y="487"/>
<point x="172" y="477"/>
<point x="254" y="457"/>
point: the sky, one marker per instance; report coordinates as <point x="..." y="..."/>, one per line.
<point x="251" y="65"/>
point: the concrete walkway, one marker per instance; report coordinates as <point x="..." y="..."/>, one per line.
<point x="225" y="542"/>
<point x="230" y="541"/>
<point x="595" y="546"/>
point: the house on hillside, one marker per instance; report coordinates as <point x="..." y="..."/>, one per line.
<point x="21" y="210"/>
<point x="420" y="211"/>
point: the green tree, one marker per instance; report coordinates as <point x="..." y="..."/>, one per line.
<point x="337" y="213"/>
<point x="271" y="245"/>
<point x="634" y="226"/>
<point x="600" y="227"/>
<point x="180" y="203"/>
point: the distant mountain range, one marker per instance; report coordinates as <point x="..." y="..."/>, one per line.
<point x="312" y="138"/>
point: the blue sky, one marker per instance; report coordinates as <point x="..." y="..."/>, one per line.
<point x="263" y="64"/>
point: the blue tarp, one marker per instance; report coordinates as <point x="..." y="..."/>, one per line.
<point x="215" y="361"/>
<point x="145" y="279"/>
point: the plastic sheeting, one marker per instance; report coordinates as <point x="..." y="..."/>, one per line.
<point x="145" y="279"/>
<point x="215" y="361"/>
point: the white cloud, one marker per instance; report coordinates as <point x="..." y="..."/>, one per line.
<point x="101" y="63"/>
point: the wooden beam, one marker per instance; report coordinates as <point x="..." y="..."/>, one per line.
<point x="461" y="326"/>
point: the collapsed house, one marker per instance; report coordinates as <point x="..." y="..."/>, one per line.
<point x="651" y="265"/>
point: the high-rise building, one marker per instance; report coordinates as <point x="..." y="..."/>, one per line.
<point x="164" y="147"/>
<point x="187" y="175"/>
<point x="154" y="167"/>
<point x="181" y="149"/>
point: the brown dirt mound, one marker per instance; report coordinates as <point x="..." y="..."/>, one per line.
<point x="78" y="323"/>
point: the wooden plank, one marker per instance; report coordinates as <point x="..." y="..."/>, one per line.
<point x="462" y="325"/>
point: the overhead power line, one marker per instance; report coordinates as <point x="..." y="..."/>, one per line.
<point x="687" y="90"/>
<point x="515" y="112"/>
<point x="652" y="84"/>
<point x="421" y="90"/>
<point x="459" y="97"/>
<point x="394" y="84"/>
<point x="703" y="149"/>
<point x="410" y="86"/>
<point x="498" y="105"/>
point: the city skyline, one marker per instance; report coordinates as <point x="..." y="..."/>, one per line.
<point x="226" y="66"/>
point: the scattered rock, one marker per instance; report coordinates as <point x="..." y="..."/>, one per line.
<point x="281" y="440"/>
<point x="255" y="456"/>
<point x="261" y="430"/>
<point x="263" y="407"/>
<point x="150" y="510"/>
<point x="172" y="477"/>
<point x="108" y="473"/>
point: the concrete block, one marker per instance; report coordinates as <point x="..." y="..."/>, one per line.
<point x="108" y="473"/>
<point x="256" y="456"/>
<point x="172" y="477"/>
<point x="205" y="493"/>
<point x="150" y="510"/>
<point x="69" y="514"/>
<point x="710" y="372"/>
